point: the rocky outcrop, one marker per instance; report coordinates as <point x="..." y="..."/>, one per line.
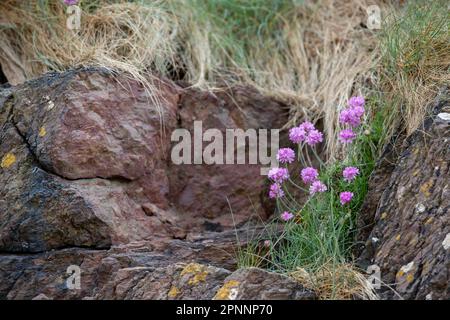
<point x="258" y="284"/>
<point x="408" y="221"/>
<point x="86" y="162"/>
<point x="86" y="181"/>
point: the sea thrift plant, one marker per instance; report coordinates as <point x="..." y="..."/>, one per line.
<point x="278" y="174"/>
<point x="286" y="155"/>
<point x="286" y="216"/>
<point x="350" y="173"/>
<point x="297" y="135"/>
<point x="356" y="101"/>
<point x="309" y="175"/>
<point x="307" y="126"/>
<point x="347" y="136"/>
<point x="326" y="222"/>
<point x="314" y="137"/>
<point x="345" y="197"/>
<point x="306" y="135"/>
<point x="275" y="191"/>
<point x="305" y="132"/>
<point x="317" y="186"/>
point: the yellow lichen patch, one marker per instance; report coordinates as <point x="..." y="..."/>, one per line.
<point x="416" y="151"/>
<point x="410" y="277"/>
<point x="42" y="132"/>
<point x="173" y="292"/>
<point x="198" y="277"/>
<point x="8" y="160"/>
<point x="398" y="237"/>
<point x="425" y="188"/>
<point x="224" y="293"/>
<point x="192" y="268"/>
<point x="198" y="271"/>
<point x="383" y="215"/>
<point x="400" y="273"/>
<point x="429" y="220"/>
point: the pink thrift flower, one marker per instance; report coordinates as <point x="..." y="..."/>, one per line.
<point x="307" y="126"/>
<point x="70" y="2"/>
<point x="317" y="186"/>
<point x="297" y="135"/>
<point x="351" y="116"/>
<point x="286" y="216"/>
<point x="267" y="243"/>
<point x="314" y="137"/>
<point x="350" y="173"/>
<point x="278" y="175"/>
<point x="309" y="175"/>
<point x="285" y="155"/>
<point x="275" y="191"/>
<point x="347" y="136"/>
<point x="345" y="197"/>
<point x="359" y="111"/>
<point x="356" y="101"/>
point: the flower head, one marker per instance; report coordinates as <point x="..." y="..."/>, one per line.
<point x="351" y="116"/>
<point x="358" y="111"/>
<point x="278" y="175"/>
<point x="356" y="101"/>
<point x="70" y="2"/>
<point x="314" y="137"/>
<point x="297" y="134"/>
<point x="347" y="136"/>
<point x="307" y="126"/>
<point x="317" y="186"/>
<point x="309" y="175"/>
<point x="350" y="173"/>
<point x="275" y="191"/>
<point x="285" y="155"/>
<point x="286" y="216"/>
<point x="345" y="197"/>
<point x="267" y="243"/>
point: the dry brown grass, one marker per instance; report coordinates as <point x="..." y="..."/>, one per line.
<point x="415" y="64"/>
<point x="337" y="282"/>
<point x="309" y="55"/>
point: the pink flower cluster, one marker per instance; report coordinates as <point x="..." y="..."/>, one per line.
<point x="317" y="186"/>
<point x="276" y="191"/>
<point x="286" y="216"/>
<point x="278" y="175"/>
<point x="345" y="197"/>
<point x="70" y="2"/>
<point x="350" y="173"/>
<point x="351" y="116"/>
<point x="310" y="175"/>
<point x="285" y="155"/>
<point x="306" y="132"/>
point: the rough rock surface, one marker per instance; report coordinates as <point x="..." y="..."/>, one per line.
<point x="86" y="162"/>
<point x="409" y="221"/>
<point x="258" y="284"/>
<point x="86" y="181"/>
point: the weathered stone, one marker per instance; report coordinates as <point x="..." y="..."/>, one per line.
<point x="86" y="181"/>
<point x="412" y="218"/>
<point x="258" y="284"/>
<point x="27" y="276"/>
<point x="85" y="162"/>
<point x="210" y="190"/>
